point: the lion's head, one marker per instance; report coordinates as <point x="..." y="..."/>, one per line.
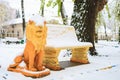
<point x="36" y="32"/>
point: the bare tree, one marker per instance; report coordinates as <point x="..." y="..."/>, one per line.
<point x="61" y="9"/>
<point x="23" y="15"/>
<point x="42" y="6"/>
<point x="5" y="11"/>
<point x="117" y="15"/>
<point x="63" y="13"/>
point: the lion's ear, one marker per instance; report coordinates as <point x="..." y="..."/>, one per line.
<point x="31" y="22"/>
<point x="45" y="22"/>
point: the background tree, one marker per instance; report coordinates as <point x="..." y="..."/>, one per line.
<point x="102" y="20"/>
<point x="42" y="5"/>
<point x="84" y="18"/>
<point x="61" y="9"/>
<point x="63" y="13"/>
<point x="117" y="15"/>
<point x="5" y="12"/>
<point x="23" y="15"/>
<point x="17" y="14"/>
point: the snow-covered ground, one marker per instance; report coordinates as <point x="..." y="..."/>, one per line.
<point x="105" y="66"/>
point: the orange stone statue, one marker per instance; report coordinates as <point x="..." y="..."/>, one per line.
<point x="36" y="32"/>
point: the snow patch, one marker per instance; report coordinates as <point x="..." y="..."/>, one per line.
<point x="39" y="20"/>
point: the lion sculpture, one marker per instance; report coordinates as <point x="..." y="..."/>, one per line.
<point x="33" y="54"/>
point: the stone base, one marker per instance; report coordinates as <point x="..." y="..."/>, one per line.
<point x="33" y="74"/>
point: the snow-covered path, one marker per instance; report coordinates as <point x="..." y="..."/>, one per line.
<point x="105" y="66"/>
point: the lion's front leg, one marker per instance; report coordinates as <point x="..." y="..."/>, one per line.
<point x="39" y="60"/>
<point x="31" y="61"/>
<point x="29" y="56"/>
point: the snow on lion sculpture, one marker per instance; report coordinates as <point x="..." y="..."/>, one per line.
<point x="33" y="54"/>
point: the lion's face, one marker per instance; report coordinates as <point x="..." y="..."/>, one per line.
<point x="38" y="31"/>
<point x="36" y="34"/>
<point x="35" y="31"/>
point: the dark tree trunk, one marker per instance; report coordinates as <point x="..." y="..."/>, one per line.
<point x="83" y="19"/>
<point x="92" y="13"/>
<point x="23" y="15"/>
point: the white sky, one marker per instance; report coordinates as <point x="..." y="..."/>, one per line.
<point x="30" y="6"/>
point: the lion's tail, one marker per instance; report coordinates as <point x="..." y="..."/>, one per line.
<point x="17" y="61"/>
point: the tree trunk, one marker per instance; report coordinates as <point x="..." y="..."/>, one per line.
<point x="23" y="15"/>
<point x="106" y="36"/>
<point x="91" y="18"/>
<point x="83" y="19"/>
<point x="42" y="7"/>
<point x="63" y="14"/>
<point x="42" y="11"/>
<point x="119" y="35"/>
